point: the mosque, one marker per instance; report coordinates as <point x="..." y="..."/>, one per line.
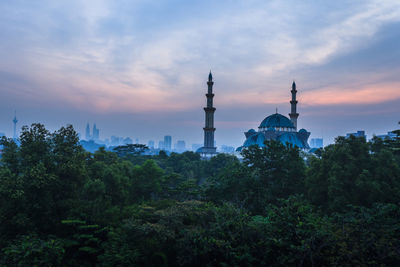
<point x="274" y="127"/>
<point x="280" y="128"/>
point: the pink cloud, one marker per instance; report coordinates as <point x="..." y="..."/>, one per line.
<point x="369" y="94"/>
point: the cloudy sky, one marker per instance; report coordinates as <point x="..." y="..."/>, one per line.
<point x="139" y="68"/>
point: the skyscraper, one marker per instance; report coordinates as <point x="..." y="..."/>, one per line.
<point x="150" y="144"/>
<point x="180" y="146"/>
<point x="209" y="148"/>
<point x="96" y="132"/>
<point x="357" y="134"/>
<point x="161" y="145"/>
<point x="316" y="143"/>
<point x="87" y="134"/>
<point x="15" y="125"/>
<point x="127" y="141"/>
<point x="167" y="142"/>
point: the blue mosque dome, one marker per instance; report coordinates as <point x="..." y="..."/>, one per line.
<point x="279" y="128"/>
<point x="276" y="120"/>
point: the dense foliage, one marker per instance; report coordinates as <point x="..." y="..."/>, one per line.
<point x="63" y="206"/>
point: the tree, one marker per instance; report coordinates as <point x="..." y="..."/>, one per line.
<point x="49" y="172"/>
<point x="146" y="182"/>
<point x="349" y="173"/>
<point x="292" y="233"/>
<point x="35" y="146"/>
<point x="278" y="169"/>
<point x="10" y="157"/>
<point x="33" y="251"/>
<point x="368" y="236"/>
<point x="235" y="184"/>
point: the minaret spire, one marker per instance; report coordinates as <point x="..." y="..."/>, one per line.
<point x="293" y="103"/>
<point x="15" y="125"/>
<point x="208" y="148"/>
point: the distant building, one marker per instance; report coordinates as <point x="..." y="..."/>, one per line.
<point x="96" y="133"/>
<point x="118" y="141"/>
<point x="180" y="146"/>
<point x="87" y="132"/>
<point x="161" y="145"/>
<point x="279" y="128"/>
<point x="150" y="144"/>
<point x="316" y="142"/>
<point x="227" y="149"/>
<point x="357" y="134"/>
<point x="127" y="141"/>
<point x="91" y="145"/>
<point x="115" y="140"/>
<point x="167" y="143"/>
<point x="15" y="135"/>
<point x="389" y="135"/>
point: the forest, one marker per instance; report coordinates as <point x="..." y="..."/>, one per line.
<point x="276" y="206"/>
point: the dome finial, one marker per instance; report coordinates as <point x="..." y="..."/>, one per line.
<point x="210" y="77"/>
<point x="276" y="110"/>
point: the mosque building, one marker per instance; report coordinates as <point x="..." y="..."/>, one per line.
<point x="279" y="128"/>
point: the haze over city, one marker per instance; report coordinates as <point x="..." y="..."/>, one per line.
<point x="139" y="68"/>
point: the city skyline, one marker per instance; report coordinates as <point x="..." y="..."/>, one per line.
<point x="139" y="68"/>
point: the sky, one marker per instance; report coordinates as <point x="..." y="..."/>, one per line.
<point x="139" y="68"/>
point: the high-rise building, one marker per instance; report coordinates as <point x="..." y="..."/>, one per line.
<point x="150" y="144"/>
<point x="167" y="142"/>
<point x="161" y="145"/>
<point x="227" y="149"/>
<point x="209" y="147"/>
<point x="316" y="143"/>
<point x="96" y="133"/>
<point x="87" y="132"/>
<point x="389" y="135"/>
<point x="15" y="136"/>
<point x="357" y="134"/>
<point x="127" y="141"/>
<point x="180" y="146"/>
<point x="115" y="140"/>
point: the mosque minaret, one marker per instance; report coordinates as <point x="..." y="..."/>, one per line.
<point x="293" y="103"/>
<point x="209" y="148"/>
